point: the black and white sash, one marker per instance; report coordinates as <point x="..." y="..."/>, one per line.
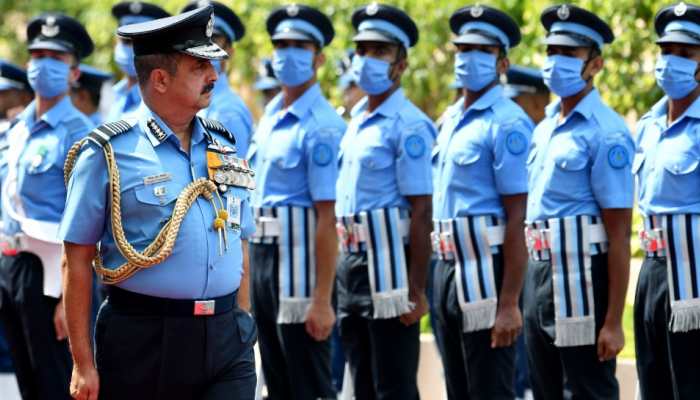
<point x="569" y="244"/>
<point x="472" y="241"/>
<point x="382" y="233"/>
<point x="293" y="230"/>
<point x="676" y="238"/>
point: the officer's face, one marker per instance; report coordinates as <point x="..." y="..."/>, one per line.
<point x="192" y="83"/>
<point x="502" y="62"/>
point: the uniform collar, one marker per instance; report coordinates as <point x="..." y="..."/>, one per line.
<point x="53" y="117"/>
<point x="585" y="107"/>
<point x="660" y="109"/>
<point x="388" y="108"/>
<point x="145" y="114"/>
<point x="303" y="104"/>
<point x="487" y="99"/>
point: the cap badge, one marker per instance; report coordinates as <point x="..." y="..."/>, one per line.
<point x="50" y="29"/>
<point x="372" y="9"/>
<point x="136" y="7"/>
<point x="210" y="26"/>
<point x="293" y="10"/>
<point x="476" y="11"/>
<point x="203" y="3"/>
<point x="563" y="12"/>
<point x="680" y="9"/>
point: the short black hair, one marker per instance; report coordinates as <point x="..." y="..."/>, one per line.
<point x="145" y="64"/>
<point x="95" y="93"/>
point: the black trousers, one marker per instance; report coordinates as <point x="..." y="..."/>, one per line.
<point x="473" y="370"/>
<point x="296" y="366"/>
<point x="141" y="355"/>
<point x="668" y="363"/>
<point x="383" y="353"/>
<point x="42" y="363"/>
<point x="556" y="370"/>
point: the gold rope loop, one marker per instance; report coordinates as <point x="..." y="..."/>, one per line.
<point x="162" y="246"/>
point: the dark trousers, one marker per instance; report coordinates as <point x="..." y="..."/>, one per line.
<point x="42" y="364"/>
<point x="668" y="363"/>
<point x="296" y="366"/>
<point x="383" y="353"/>
<point x="473" y="370"/>
<point x="554" y="370"/>
<point x="142" y="355"/>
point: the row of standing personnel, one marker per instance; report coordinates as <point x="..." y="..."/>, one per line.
<point x="387" y="185"/>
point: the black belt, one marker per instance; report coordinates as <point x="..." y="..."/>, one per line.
<point x="136" y="303"/>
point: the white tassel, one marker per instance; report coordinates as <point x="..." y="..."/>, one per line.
<point x="293" y="310"/>
<point x="479" y="315"/>
<point x="685" y="315"/>
<point x="391" y="304"/>
<point x="577" y="331"/>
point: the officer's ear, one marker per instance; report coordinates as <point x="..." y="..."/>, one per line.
<point x="74" y="74"/>
<point x="401" y="63"/>
<point x="160" y="80"/>
<point x="502" y="64"/>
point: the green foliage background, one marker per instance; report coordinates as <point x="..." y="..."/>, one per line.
<point x="627" y="83"/>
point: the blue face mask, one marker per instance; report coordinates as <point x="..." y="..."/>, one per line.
<point x="475" y="69"/>
<point x="293" y="66"/>
<point x="676" y="75"/>
<point x="48" y="76"/>
<point x="562" y="75"/>
<point x="371" y="74"/>
<point x="124" y="57"/>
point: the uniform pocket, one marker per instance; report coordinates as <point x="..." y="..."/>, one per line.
<point x="246" y="326"/>
<point x="463" y="158"/>
<point x="376" y="158"/>
<point x="158" y="194"/>
<point x="571" y="161"/>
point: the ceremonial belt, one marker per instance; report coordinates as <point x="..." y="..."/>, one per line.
<point x="293" y="230"/>
<point x="471" y="242"/>
<point x="383" y="234"/>
<point x="568" y="243"/>
<point x="141" y="304"/>
<point x="676" y="238"/>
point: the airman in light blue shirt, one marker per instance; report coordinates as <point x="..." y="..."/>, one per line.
<point x="226" y="105"/>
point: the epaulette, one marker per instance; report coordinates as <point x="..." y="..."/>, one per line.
<point x="216" y="126"/>
<point x="103" y="133"/>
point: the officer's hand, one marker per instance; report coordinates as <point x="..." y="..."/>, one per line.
<point x="419" y="310"/>
<point x="320" y="320"/>
<point x="611" y="340"/>
<point x="507" y="327"/>
<point x="84" y="383"/>
<point x="59" y="322"/>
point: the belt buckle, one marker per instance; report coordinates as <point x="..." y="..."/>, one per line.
<point x="204" y="307"/>
<point x="652" y="240"/>
<point x="535" y="239"/>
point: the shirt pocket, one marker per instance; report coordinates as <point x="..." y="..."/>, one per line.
<point x="464" y="158"/>
<point x="376" y="158"/>
<point x="155" y="203"/>
<point x="571" y="161"/>
<point x="42" y="161"/>
<point x="288" y="160"/>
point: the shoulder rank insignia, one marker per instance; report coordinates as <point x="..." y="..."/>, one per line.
<point x="103" y="133"/>
<point x="156" y="130"/>
<point x="216" y="126"/>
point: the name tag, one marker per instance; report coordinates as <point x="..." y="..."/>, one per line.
<point x="233" y="208"/>
<point x="153" y="179"/>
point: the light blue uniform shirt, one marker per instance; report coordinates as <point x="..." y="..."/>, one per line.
<point x="580" y="165"/>
<point x="229" y="109"/>
<point x="40" y="184"/>
<point x="667" y="160"/>
<point x="96" y="118"/>
<point x="480" y="156"/>
<point x="195" y="269"/>
<point x="384" y="156"/>
<point x="126" y="101"/>
<point x="295" y="150"/>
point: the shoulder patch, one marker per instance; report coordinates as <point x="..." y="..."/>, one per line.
<point x="415" y="146"/>
<point x="322" y="154"/>
<point x="216" y="126"/>
<point x="516" y="142"/>
<point x="103" y="133"/>
<point x="618" y="156"/>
